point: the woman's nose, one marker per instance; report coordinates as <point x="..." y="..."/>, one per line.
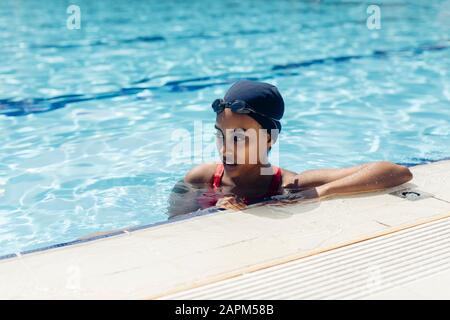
<point x="223" y="146"/>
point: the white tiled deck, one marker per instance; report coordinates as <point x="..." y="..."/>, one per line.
<point x="393" y="265"/>
<point x="168" y="259"/>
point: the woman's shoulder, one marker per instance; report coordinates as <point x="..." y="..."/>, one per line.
<point x="201" y="173"/>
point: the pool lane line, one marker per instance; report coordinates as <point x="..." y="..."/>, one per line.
<point x="14" y="108"/>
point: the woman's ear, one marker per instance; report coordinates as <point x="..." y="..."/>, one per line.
<point x="269" y="142"/>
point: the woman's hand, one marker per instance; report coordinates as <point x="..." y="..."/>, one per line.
<point x="231" y="202"/>
<point x="312" y="193"/>
<point x="295" y="197"/>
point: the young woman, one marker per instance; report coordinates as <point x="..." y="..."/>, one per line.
<point x="247" y="124"/>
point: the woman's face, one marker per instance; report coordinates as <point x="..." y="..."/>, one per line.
<point x="241" y="141"/>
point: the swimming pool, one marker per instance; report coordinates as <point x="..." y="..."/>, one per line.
<point x="88" y="116"/>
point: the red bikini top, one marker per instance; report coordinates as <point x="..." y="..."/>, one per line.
<point x="273" y="188"/>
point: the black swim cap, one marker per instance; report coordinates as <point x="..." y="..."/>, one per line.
<point x="261" y="97"/>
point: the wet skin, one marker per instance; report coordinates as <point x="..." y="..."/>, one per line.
<point x="243" y="178"/>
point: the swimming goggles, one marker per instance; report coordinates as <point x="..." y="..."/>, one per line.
<point x="237" y="106"/>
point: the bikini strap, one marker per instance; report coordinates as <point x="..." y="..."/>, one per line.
<point x="274" y="184"/>
<point x="276" y="181"/>
<point x="217" y="178"/>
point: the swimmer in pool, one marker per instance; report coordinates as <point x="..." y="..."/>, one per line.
<point x="247" y="125"/>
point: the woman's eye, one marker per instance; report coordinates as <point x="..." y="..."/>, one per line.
<point x="239" y="137"/>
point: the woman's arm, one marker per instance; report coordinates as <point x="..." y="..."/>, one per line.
<point x="182" y="200"/>
<point x="184" y="195"/>
<point x="364" y="178"/>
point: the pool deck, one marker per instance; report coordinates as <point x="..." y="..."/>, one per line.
<point x="384" y="247"/>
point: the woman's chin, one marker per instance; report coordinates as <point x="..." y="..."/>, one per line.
<point x="232" y="169"/>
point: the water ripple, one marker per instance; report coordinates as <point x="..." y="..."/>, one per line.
<point x="12" y="107"/>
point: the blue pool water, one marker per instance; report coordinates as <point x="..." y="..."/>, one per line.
<point x="88" y="116"/>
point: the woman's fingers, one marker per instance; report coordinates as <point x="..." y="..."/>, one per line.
<point x="233" y="203"/>
<point x="230" y="202"/>
<point x="281" y="200"/>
